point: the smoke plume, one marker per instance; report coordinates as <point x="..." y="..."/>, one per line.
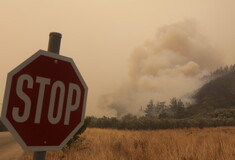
<point x="169" y="66"/>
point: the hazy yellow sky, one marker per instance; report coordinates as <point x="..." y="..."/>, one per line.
<point x="100" y="35"/>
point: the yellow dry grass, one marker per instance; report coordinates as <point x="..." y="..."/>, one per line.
<point x="179" y="144"/>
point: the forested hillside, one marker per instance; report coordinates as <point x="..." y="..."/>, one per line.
<point x="216" y="98"/>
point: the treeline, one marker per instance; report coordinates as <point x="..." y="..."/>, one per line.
<point x="175" y="109"/>
<point x="175" y="114"/>
<point x="143" y="123"/>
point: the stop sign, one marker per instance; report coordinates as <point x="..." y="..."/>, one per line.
<point x="44" y="101"/>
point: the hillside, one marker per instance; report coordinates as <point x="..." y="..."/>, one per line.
<point x="216" y="98"/>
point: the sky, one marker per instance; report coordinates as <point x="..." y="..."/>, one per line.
<point x="102" y="36"/>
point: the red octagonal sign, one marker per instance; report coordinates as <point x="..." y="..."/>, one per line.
<point x="44" y="101"/>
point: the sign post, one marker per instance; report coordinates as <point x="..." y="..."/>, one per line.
<point x="45" y="100"/>
<point x="54" y="47"/>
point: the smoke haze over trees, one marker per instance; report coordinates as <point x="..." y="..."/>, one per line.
<point x="171" y="65"/>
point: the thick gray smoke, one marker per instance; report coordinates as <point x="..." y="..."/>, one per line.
<point x="169" y="66"/>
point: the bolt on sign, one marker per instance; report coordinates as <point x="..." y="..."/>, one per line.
<point x="44" y="102"/>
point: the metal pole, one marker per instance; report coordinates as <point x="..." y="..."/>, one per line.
<point x="40" y="155"/>
<point x="54" y="42"/>
<point x="53" y="46"/>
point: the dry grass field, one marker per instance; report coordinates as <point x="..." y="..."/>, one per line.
<point x="180" y="144"/>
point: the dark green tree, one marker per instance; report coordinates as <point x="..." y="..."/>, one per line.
<point x="150" y="111"/>
<point x="177" y="107"/>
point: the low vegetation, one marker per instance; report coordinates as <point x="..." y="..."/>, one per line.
<point x="178" y="144"/>
<point x="143" y="123"/>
